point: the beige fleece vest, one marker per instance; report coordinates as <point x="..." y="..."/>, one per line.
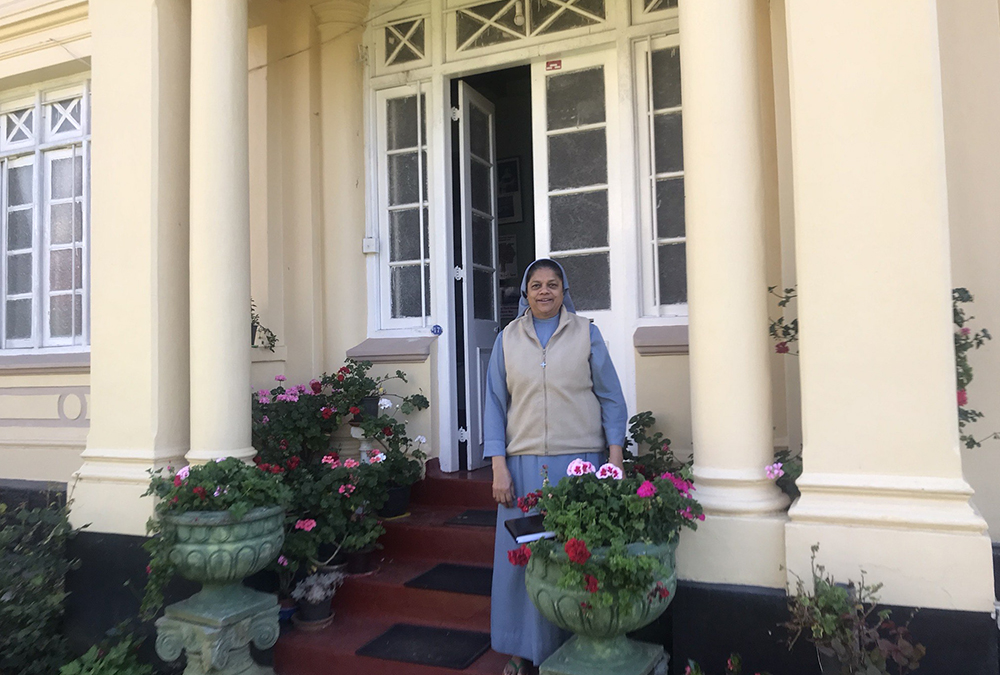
<point x="553" y="409"/>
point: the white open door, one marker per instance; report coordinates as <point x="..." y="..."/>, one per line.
<point x="477" y="150"/>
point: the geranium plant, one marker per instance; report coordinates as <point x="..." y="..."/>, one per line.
<point x="294" y="421"/>
<point x="227" y="484"/>
<point x="844" y="621"/>
<point x="596" y="513"/>
<point x="653" y="456"/>
<point x="317" y="588"/>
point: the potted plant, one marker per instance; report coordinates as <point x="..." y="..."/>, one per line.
<point x="116" y="659"/>
<point x="314" y="594"/>
<point x="293" y="423"/>
<point x="216" y="523"/>
<point x="611" y="567"/>
<point x="361" y="541"/>
<point x="852" y="636"/>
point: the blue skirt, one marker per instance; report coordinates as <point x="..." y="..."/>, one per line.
<point x="516" y="627"/>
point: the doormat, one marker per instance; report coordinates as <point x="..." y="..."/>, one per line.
<point x="455" y="579"/>
<point x="475" y="517"/>
<point x="440" y="647"/>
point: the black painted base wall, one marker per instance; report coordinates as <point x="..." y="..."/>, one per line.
<point x="710" y="621"/>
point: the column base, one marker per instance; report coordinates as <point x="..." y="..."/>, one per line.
<point x="206" y="456"/>
<point x="215" y="628"/>
<point x="737" y="492"/>
<point x="726" y="549"/>
<point x="919" y="568"/>
<point x="106" y="493"/>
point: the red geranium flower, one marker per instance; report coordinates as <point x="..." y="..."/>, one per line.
<point x="327" y="412"/>
<point x="340" y="378"/>
<point x="277" y="469"/>
<point x="264" y="467"/>
<point x="200" y="491"/>
<point x="781" y="347"/>
<point x="519" y="556"/>
<point x="343" y="369"/>
<point x="257" y="460"/>
<point x="591" y="582"/>
<point x="283" y="444"/>
<point x="387" y="431"/>
<point x="354" y="410"/>
<point x="316" y="386"/>
<point x="293" y="462"/>
<point x="577" y="551"/>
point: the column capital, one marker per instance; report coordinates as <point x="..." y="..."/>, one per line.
<point x="353" y="12"/>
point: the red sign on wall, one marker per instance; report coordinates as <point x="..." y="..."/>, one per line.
<point x="553" y="65"/>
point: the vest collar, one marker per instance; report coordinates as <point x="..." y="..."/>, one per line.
<point x="529" y="325"/>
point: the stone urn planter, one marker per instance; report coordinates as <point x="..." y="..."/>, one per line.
<point x="216" y="625"/>
<point x="599" y="644"/>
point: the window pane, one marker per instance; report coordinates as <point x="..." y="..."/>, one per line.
<point x="19" y="274"/>
<point x="61" y="315"/>
<point x="578" y="159"/>
<point x="589" y="279"/>
<point x="63" y="179"/>
<point x="670" y="207"/>
<point x="62" y="222"/>
<point x="19" y="229"/>
<point x="78" y="314"/>
<point x="669" y="148"/>
<point x="471" y="20"/>
<point x="20" y="125"/>
<point x="405" y="291"/>
<point x="403" y="186"/>
<point x="654" y="5"/>
<point x="482" y="241"/>
<point x="673" y="274"/>
<point x="404" y="235"/>
<point x="482" y="190"/>
<point x="482" y="295"/>
<point x="61" y="270"/>
<point x="479" y="133"/>
<point x="579" y="220"/>
<point x="19" y="185"/>
<point x="401" y="123"/>
<point x="551" y="17"/>
<point x="575" y="99"/>
<point x="18" y="319"/>
<point x="666" y="78"/>
<point x="395" y="50"/>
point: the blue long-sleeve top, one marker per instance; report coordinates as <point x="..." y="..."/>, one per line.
<point x="607" y="388"/>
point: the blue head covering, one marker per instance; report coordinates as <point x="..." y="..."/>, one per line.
<point x="522" y="304"/>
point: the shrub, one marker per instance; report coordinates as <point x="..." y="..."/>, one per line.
<point x="33" y="566"/>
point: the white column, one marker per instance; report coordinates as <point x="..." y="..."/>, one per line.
<point x="727" y="293"/>
<point x="220" y="232"/>
<point x="139" y="301"/>
<point x="883" y="489"/>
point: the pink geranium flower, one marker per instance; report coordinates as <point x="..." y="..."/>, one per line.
<point x="346" y="489"/>
<point x="963" y="398"/>
<point x="376" y="456"/>
<point x="609" y="470"/>
<point x="306" y="524"/>
<point x="351" y="463"/>
<point x="333" y="461"/>
<point x="280" y="378"/>
<point x="647" y="489"/>
<point x="774" y="471"/>
<point x="579" y="467"/>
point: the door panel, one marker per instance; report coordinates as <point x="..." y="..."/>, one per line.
<point x="477" y="151"/>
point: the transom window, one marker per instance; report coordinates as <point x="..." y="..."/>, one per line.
<point x="662" y="174"/>
<point x="45" y="220"/>
<point x="501" y="21"/>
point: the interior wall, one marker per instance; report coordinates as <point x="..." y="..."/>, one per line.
<point x="970" y="77"/>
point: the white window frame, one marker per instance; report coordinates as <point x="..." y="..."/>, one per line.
<point x="383" y="209"/>
<point x="641" y="16"/>
<point x="646" y="181"/>
<point x="45" y="147"/>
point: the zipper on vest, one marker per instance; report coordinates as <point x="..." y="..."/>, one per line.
<point x="545" y="404"/>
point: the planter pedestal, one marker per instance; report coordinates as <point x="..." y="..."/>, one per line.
<point x="215" y="627"/>
<point x="621" y="656"/>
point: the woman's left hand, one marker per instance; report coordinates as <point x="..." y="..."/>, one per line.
<point x="615" y="456"/>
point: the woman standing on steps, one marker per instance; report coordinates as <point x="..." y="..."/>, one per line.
<point x="552" y="395"/>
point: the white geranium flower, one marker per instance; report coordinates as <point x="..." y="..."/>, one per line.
<point x="384" y="403"/>
<point x="420" y="440"/>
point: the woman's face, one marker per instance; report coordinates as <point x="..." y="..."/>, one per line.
<point x="545" y="293"/>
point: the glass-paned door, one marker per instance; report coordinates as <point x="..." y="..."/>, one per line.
<point x="477" y="150"/>
<point x="577" y="187"/>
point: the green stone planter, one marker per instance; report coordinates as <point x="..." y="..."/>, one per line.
<point x="214" y="549"/>
<point x="599" y="644"/>
<point x="216" y="625"/>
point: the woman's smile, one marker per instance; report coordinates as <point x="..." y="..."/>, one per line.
<point x="545" y="293"/>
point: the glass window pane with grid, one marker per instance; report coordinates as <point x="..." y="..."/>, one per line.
<point x="45" y="224"/>
<point x="665" y="178"/>
<point x="408" y="245"/>
<point x="404" y="42"/>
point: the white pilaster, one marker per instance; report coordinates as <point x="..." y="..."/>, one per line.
<point x="882" y="489"/>
<point x="139" y="302"/>
<point x="220" y="232"/>
<point x="730" y="376"/>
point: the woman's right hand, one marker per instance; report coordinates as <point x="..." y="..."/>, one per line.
<point x="503" y="484"/>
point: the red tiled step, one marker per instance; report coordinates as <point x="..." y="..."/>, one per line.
<point x="331" y="651"/>
<point x="423" y="535"/>
<point x="467" y="489"/>
<point x="383" y="594"/>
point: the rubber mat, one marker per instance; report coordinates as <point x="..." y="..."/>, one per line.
<point x="440" y="647"/>
<point x="475" y="517"/>
<point x="455" y="579"/>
